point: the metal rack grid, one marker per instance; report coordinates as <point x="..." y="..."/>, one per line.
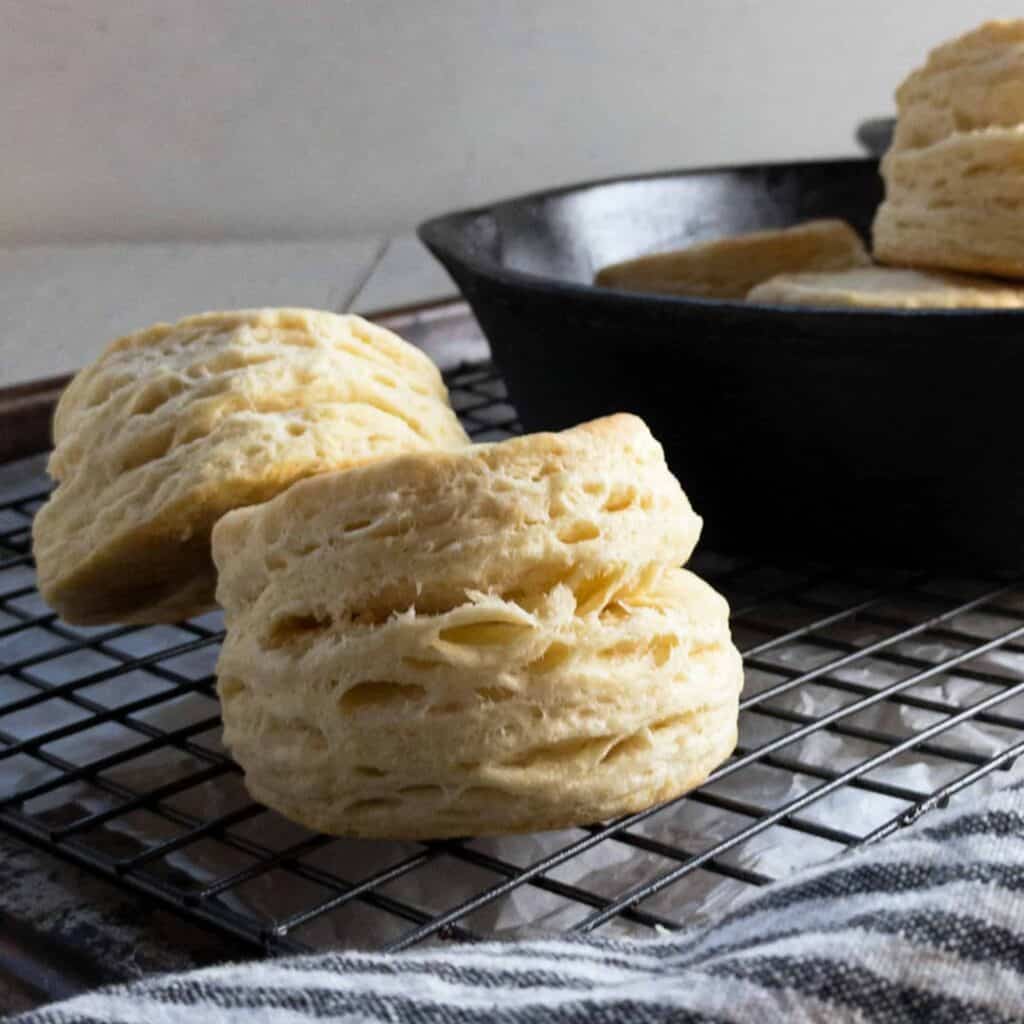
<point x="871" y="697"/>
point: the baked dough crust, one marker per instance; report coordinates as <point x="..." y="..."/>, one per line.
<point x="175" y="425"/>
<point x="889" y="288"/>
<point x="973" y="82"/>
<point x="489" y="641"/>
<point x="727" y="268"/>
<point x="954" y="176"/>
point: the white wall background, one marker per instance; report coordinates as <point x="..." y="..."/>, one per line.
<point x="244" y="119"/>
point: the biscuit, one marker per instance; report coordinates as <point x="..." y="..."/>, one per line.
<point x="489" y="641"/>
<point x="888" y="288"/>
<point x="973" y="82"/>
<point x="956" y="205"/>
<point x="728" y="268"/>
<point x="177" y="424"/>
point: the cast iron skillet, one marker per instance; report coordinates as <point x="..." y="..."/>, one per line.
<point x="879" y="437"/>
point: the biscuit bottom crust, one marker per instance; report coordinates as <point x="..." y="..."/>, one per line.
<point x="966" y="243"/>
<point x="495" y="805"/>
<point x="487" y="720"/>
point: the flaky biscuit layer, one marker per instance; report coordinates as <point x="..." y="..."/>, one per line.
<point x="957" y="204"/>
<point x="175" y="425"/>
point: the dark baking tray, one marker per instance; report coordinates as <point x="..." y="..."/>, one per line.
<point x="886" y="437"/>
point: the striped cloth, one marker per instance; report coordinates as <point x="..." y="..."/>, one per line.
<point x="927" y="926"/>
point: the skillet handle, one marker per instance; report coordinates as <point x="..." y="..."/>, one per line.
<point x="875" y="134"/>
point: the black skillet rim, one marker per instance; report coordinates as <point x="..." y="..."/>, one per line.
<point x="443" y="236"/>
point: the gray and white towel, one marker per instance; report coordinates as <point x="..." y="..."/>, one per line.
<point x="927" y="926"/>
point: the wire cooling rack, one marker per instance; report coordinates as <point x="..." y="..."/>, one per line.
<point x="871" y="697"/>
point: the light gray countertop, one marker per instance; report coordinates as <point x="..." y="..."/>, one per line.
<point x="59" y="305"/>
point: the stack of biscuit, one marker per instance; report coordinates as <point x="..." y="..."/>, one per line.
<point x="954" y="175"/>
<point x="486" y="641"/>
<point x="954" y="203"/>
<point x="424" y="638"/>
